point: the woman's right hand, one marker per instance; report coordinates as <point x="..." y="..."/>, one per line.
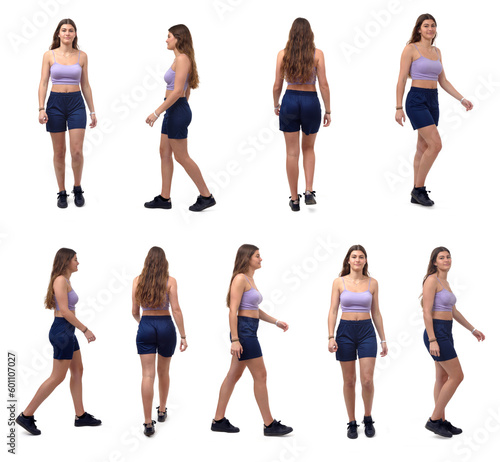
<point x="89" y="335"/>
<point x="277" y="109"/>
<point x="236" y="349"/>
<point x="332" y="345"/>
<point x="434" y="348"/>
<point x="400" y="116"/>
<point x="42" y="117"/>
<point x="327" y="120"/>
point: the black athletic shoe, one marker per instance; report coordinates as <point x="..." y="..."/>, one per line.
<point x="28" y="423"/>
<point x="62" y="202"/>
<point x="438" y="428"/>
<point x="451" y="428"/>
<point x="149" y="429"/>
<point x="79" y="199"/>
<point x="202" y="203"/>
<point x="159" y="203"/>
<point x="310" y="197"/>
<point x="295" y="204"/>
<point x="224" y="425"/>
<point x="369" y="428"/>
<point x="162" y="416"/>
<point x="352" y="430"/>
<point x="87" y="420"/>
<point x="276" y="428"/>
<point x="420" y="196"/>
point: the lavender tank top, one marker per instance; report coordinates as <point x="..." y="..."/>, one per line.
<point x="170" y="79"/>
<point x="164" y="307"/>
<point x="250" y="299"/>
<point x="356" y="302"/>
<point x="311" y="81"/>
<point x="425" y="68"/>
<point x="66" y="74"/>
<point x="444" y="300"/>
<point x="72" y="300"/>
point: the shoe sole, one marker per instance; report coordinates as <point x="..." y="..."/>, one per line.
<point x="414" y="201"/>
<point x="63" y="206"/>
<point x="163" y="208"/>
<point x="204" y="208"/>
<point x="437" y="433"/>
<point x="21" y="424"/>
<point x="352" y="437"/>
<point x="310" y="202"/>
<point x="81" y="205"/>
<point x="225" y="431"/>
<point x="88" y="425"/>
<point x="369" y="436"/>
<point x="279" y="434"/>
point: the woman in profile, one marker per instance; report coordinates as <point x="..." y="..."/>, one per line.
<point x="300" y="63"/>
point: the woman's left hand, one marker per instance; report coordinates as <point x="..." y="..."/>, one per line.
<point x="479" y="335"/>
<point x="277" y="109"/>
<point x="467" y="104"/>
<point x="282" y="325"/>
<point x="327" y="120"/>
<point x="151" y="119"/>
<point x="93" y="121"/>
<point x="184" y="344"/>
<point x="384" y="351"/>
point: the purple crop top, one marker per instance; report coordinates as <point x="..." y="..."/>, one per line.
<point x="72" y="300"/>
<point x="444" y="300"/>
<point x="250" y="299"/>
<point x="425" y="68"/>
<point x="170" y="79"/>
<point x="164" y="307"/>
<point x="311" y="81"/>
<point x="66" y="74"/>
<point x="356" y="302"/>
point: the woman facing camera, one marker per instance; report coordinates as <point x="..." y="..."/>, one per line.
<point x="181" y="77"/>
<point x="300" y="63"/>
<point x="67" y="356"/>
<point x="243" y="300"/>
<point x="357" y="295"/>
<point x="423" y="62"/>
<point x="67" y="66"/>
<point x="156" y="291"/>
<point x="438" y="302"/>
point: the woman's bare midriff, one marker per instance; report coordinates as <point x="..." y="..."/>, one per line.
<point x="432" y="84"/>
<point x="305" y="87"/>
<point x="170" y="91"/>
<point x="249" y="313"/>
<point x="443" y="315"/>
<point x="156" y="313"/>
<point x="65" y="88"/>
<point x="355" y="316"/>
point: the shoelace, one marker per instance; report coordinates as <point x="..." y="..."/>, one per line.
<point x="77" y="192"/>
<point x="313" y="193"/>
<point x="62" y="194"/>
<point x="296" y="201"/>
<point x="354" y="425"/>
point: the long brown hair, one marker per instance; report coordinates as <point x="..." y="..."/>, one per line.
<point x="346" y="268"/>
<point x="56" y="41"/>
<point x="241" y="264"/>
<point x="431" y="267"/>
<point x="298" y="59"/>
<point x="61" y="261"/>
<point x="151" y="289"/>
<point x="416" y="36"/>
<point x="185" y="45"/>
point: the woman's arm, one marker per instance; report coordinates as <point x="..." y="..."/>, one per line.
<point x="176" y="311"/>
<point x="266" y="318"/>
<point x="61" y="294"/>
<point x="377" y="318"/>
<point x="136" y="309"/>
<point x="278" y="82"/>
<point x="332" y="316"/>
<point x="86" y="90"/>
<point x="237" y="289"/>
<point x="459" y="317"/>
<point x="450" y="89"/>
<point x="42" y="88"/>
<point x="404" y="70"/>
<point x="323" y="87"/>
<point x="428" y="294"/>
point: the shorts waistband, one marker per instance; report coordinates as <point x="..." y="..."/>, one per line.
<point x="63" y="93"/>
<point x="302" y="93"/>
<point x="361" y="321"/>
<point x="249" y="319"/>
<point x="156" y="316"/>
<point x="443" y="321"/>
<point x="59" y="320"/>
<point x="424" y="90"/>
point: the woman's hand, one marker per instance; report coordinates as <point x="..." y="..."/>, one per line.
<point x="384" y="351"/>
<point x="479" y="335"/>
<point x="184" y="344"/>
<point x="400" y="116"/>
<point x="93" y="120"/>
<point x="236" y="348"/>
<point x="89" y="335"/>
<point x="282" y="325"/>
<point x="332" y="345"/>
<point x="151" y="119"/>
<point x="277" y="109"/>
<point x="467" y="104"/>
<point x="327" y="120"/>
<point x="42" y="117"/>
<point x="434" y="348"/>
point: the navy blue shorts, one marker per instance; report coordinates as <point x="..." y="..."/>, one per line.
<point x="176" y="120"/>
<point x="63" y="339"/>
<point x="300" y="109"/>
<point x="247" y="333"/>
<point x="156" y="334"/>
<point x="355" y="336"/>
<point x="65" y="109"/>
<point x="422" y="107"/>
<point x="442" y="332"/>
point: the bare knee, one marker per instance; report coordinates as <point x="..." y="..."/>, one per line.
<point x="293" y="153"/>
<point x="60" y="155"/>
<point x="367" y="383"/>
<point x="77" y="373"/>
<point x="181" y="159"/>
<point x="77" y="154"/>
<point x="58" y="378"/>
<point x="435" y="146"/>
<point x="234" y="376"/>
<point x="350" y="382"/>
<point x="260" y="376"/>
<point x="308" y="152"/>
<point x="148" y="375"/>
<point x="459" y="377"/>
<point x="165" y="154"/>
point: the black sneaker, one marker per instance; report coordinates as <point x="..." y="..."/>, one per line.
<point x="295" y="204"/>
<point x="310" y="197"/>
<point x="369" y="428"/>
<point x="223" y="425"/>
<point x="79" y="199"/>
<point x="28" y="423"/>
<point x="437" y="427"/>
<point x="149" y="429"/>
<point x="420" y="196"/>
<point x="451" y="428"/>
<point x="276" y="428"/>
<point x="352" y="430"/>
<point x="202" y="203"/>
<point x="162" y="416"/>
<point x="159" y="203"/>
<point x="62" y="202"/>
<point x="87" y="420"/>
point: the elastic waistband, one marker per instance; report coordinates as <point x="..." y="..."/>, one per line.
<point x="443" y="321"/>
<point x="361" y="321"/>
<point x="63" y="93"/>
<point x="156" y="316"/>
<point x="249" y="319"/>
<point x="60" y="320"/>
<point x="424" y="90"/>
<point x="302" y="93"/>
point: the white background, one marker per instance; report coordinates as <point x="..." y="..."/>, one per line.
<point x="363" y="181"/>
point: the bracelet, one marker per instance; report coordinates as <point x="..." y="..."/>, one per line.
<point x="183" y="337"/>
<point x="328" y="112"/>
<point x="383" y="341"/>
<point x="235" y="340"/>
<point x="41" y="109"/>
<point x="398" y="108"/>
<point x="462" y="99"/>
<point x="278" y="106"/>
<point x="432" y="340"/>
<point x="331" y="336"/>
<point x="156" y="115"/>
<point x="472" y="331"/>
<point x="276" y="322"/>
<point x="86" y="329"/>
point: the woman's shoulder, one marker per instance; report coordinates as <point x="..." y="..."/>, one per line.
<point x="61" y="281"/>
<point x="431" y="281"/>
<point x="171" y="281"/>
<point x="318" y="52"/>
<point x="373" y="282"/>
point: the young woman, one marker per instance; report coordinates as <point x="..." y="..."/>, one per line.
<point x="67" y="66"/>
<point x="62" y="299"/>
<point x="357" y="294"/>
<point x="156" y="291"/>
<point x="181" y="77"/>
<point x="423" y="63"/>
<point x="438" y="302"/>
<point x="243" y="300"/>
<point x="300" y="63"/>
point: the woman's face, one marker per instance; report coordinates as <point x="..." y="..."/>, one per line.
<point x="255" y="260"/>
<point x="171" y="41"/>
<point x="73" y="264"/>
<point x="428" y="29"/>
<point x="67" y="34"/>
<point x="357" y="260"/>
<point x="443" y="261"/>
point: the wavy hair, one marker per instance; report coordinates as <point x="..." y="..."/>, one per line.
<point x="416" y="36"/>
<point x="61" y="261"/>
<point x="152" y="284"/>
<point x="241" y="264"/>
<point x="431" y="267"/>
<point x="56" y="41"/>
<point x="185" y="45"/>
<point x="298" y="59"/>
<point x="346" y="268"/>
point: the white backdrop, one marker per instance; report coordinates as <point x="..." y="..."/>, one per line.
<point x="363" y="182"/>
